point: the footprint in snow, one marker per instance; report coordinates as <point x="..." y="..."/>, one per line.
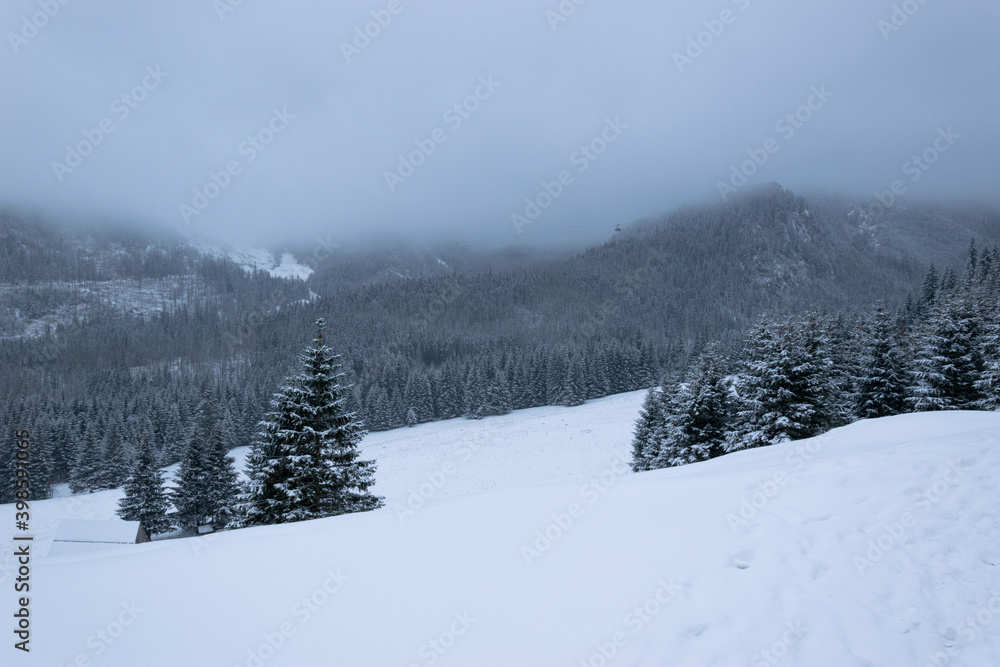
<point x="742" y="560"/>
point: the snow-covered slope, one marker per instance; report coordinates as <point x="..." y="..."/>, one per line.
<point x="877" y="544"/>
<point x="455" y="457"/>
<point x="252" y="258"/>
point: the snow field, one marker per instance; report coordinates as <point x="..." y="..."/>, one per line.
<point x="876" y="544"/>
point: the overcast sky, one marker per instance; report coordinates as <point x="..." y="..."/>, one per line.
<point x="330" y="113"/>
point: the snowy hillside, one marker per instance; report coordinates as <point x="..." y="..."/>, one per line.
<point x="456" y="457"/>
<point x="876" y="544"/>
<point x="252" y="258"/>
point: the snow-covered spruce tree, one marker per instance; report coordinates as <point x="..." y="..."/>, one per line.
<point x="763" y="390"/>
<point x="191" y="495"/>
<point x="946" y="371"/>
<point x="115" y="461"/>
<point x="820" y="406"/>
<point x="221" y="478"/>
<point x="304" y="463"/>
<point x="475" y="393"/>
<point x="572" y="390"/>
<point x="929" y="289"/>
<point x="645" y="445"/>
<point x="702" y="410"/>
<point x="673" y="449"/>
<point x="87" y="469"/>
<point x="145" y="499"/>
<point x="989" y="381"/>
<point x="40" y="464"/>
<point x="880" y="387"/>
<point x="784" y="390"/>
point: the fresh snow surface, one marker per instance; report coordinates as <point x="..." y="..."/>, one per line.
<point x="876" y="544"/>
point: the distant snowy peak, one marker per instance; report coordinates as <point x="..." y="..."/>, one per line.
<point x="251" y="259"/>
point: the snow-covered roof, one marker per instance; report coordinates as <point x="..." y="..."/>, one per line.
<point x="100" y="532"/>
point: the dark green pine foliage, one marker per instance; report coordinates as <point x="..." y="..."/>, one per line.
<point x="765" y="392"/>
<point x="672" y="441"/>
<point x="116" y="460"/>
<point x="40" y="464"/>
<point x="145" y="499"/>
<point x="191" y="496"/>
<point x="880" y="387"/>
<point x="989" y="381"/>
<point x="304" y="464"/>
<point x="702" y="406"/>
<point x="929" y="288"/>
<point x="87" y="469"/>
<point x="785" y="390"/>
<point x="572" y="389"/>
<point x="818" y="409"/>
<point x="645" y="445"/>
<point x="948" y="365"/>
<point x="221" y="478"/>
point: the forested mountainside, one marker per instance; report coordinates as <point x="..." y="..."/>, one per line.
<point x="108" y="337"/>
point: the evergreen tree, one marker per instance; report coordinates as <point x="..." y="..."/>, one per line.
<point x="221" y="478"/>
<point x="304" y="464"/>
<point x="929" y="288"/>
<point x="645" y="446"/>
<point x="784" y="391"/>
<point x="948" y="365"/>
<point x="571" y="391"/>
<point x="880" y="389"/>
<point x="191" y="496"/>
<point x="87" y="469"/>
<point x="702" y="403"/>
<point x="145" y="500"/>
<point x="674" y="449"/>
<point x="988" y="383"/>
<point x="115" y="461"/>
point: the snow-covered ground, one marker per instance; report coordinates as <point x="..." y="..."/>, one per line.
<point x="456" y="457"/>
<point x="877" y="544"/>
<point x="251" y="258"/>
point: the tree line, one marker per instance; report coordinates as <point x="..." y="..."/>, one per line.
<point x="801" y="376"/>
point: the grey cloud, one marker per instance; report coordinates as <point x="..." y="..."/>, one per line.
<point x="325" y="172"/>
